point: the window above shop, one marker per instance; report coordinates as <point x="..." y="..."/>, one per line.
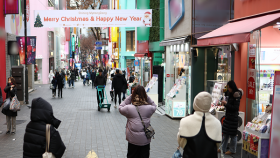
<point x="130" y="41"/>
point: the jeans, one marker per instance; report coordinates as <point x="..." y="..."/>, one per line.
<point x="11" y="123"/>
<point x="123" y="95"/>
<point x="84" y="81"/>
<point x="64" y="82"/>
<point x="71" y="82"/>
<point x="232" y="145"/>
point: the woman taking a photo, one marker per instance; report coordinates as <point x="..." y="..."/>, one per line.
<point x="10" y="91"/>
<point x="138" y="143"/>
<point x="230" y="123"/>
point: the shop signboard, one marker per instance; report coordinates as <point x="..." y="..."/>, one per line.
<point x="11" y="6"/>
<point x="136" y="63"/>
<point x="93" y="18"/>
<point x="176" y="11"/>
<point x="251" y="93"/>
<point x="275" y="117"/>
<point x="98" y="47"/>
<point x="98" y="42"/>
<point x="270" y="56"/>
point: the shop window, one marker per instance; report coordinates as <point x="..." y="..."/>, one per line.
<point x="51" y="42"/>
<point x="130" y="41"/>
<point x="14" y="60"/>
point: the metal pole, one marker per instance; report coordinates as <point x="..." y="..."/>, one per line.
<point x="26" y="68"/>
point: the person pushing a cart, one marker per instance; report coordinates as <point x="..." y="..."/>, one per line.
<point x="100" y="80"/>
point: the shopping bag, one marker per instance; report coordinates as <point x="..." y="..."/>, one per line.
<point x="15" y="104"/>
<point x="177" y="154"/>
<point x="6" y="104"/>
<point x="128" y="92"/>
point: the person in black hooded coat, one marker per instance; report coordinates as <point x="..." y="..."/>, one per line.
<point x="35" y="133"/>
<point x="230" y="124"/>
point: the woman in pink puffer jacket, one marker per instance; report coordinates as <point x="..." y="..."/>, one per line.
<point x="138" y="143"/>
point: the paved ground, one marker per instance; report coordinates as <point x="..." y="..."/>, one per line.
<point x="84" y="130"/>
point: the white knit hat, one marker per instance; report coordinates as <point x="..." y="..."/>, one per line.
<point x="202" y="102"/>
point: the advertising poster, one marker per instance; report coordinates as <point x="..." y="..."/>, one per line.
<point x="93" y="18"/>
<point x="251" y="93"/>
<point x="275" y="117"/>
<point x="252" y="56"/>
<point x="179" y="109"/>
<point x="270" y="56"/>
<point x="31" y="49"/>
<point x="176" y="10"/>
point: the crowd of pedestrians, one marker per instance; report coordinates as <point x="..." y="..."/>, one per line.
<point x="196" y="130"/>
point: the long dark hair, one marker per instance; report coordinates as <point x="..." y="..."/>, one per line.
<point x="233" y="86"/>
<point x="181" y="72"/>
<point x="13" y="81"/>
<point x="140" y="91"/>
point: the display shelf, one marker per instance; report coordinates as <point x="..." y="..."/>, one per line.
<point x="260" y="135"/>
<point x="175" y="102"/>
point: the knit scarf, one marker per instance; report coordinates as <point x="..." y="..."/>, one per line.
<point x="138" y="102"/>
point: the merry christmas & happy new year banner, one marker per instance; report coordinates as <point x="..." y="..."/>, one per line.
<point x="93" y="18"/>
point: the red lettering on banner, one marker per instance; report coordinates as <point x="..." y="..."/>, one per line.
<point x="46" y="19"/>
<point x="135" y="18"/>
<point x="92" y="18"/>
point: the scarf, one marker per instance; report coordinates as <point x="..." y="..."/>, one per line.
<point x="138" y="102"/>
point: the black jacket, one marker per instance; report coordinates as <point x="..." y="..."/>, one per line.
<point x="35" y="133"/>
<point x="99" y="80"/>
<point x="93" y="76"/>
<point x="118" y="83"/>
<point x="131" y="79"/>
<point x="230" y="123"/>
<point x="73" y="76"/>
<point x="1" y="97"/>
<point x="59" y="82"/>
<point x="9" y="94"/>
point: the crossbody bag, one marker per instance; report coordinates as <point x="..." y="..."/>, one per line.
<point x="149" y="131"/>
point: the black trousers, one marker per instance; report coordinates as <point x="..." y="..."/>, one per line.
<point x="118" y="94"/>
<point x="100" y="95"/>
<point x="60" y="92"/>
<point x="135" y="151"/>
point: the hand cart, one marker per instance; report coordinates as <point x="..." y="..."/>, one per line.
<point x="102" y="97"/>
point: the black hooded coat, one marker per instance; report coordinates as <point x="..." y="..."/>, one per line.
<point x="34" y="145"/>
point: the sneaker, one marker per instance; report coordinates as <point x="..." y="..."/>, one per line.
<point x="229" y="153"/>
<point x="13" y="132"/>
<point x="8" y="132"/>
<point x="115" y="106"/>
<point x="53" y="95"/>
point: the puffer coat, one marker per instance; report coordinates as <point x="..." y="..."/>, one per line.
<point x="230" y="124"/>
<point x="34" y="144"/>
<point x="134" y="128"/>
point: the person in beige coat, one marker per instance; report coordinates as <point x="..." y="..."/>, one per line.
<point x="200" y="134"/>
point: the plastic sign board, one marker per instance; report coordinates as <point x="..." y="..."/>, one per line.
<point x="98" y="42"/>
<point x="179" y="109"/>
<point x="98" y="48"/>
<point x="275" y="117"/>
<point x="93" y="18"/>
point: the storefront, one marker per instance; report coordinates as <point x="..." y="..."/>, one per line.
<point x="255" y="40"/>
<point x="178" y="77"/>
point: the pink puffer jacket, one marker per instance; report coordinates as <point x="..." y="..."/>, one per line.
<point x="134" y="128"/>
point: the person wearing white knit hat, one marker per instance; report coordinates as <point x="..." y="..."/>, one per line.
<point x="200" y="134"/>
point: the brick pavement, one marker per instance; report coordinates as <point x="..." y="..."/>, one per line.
<point x="84" y="129"/>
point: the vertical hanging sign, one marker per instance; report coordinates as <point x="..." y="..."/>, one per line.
<point x="251" y="83"/>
